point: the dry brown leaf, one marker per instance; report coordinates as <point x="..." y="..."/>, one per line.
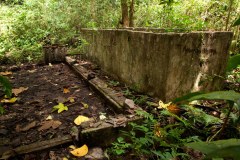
<point x="26" y="127"/>
<point x="48" y="124"/>
<point x="65" y="90"/>
<point x="17" y="91"/>
<point x="5" y="73"/>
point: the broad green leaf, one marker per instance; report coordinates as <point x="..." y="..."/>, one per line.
<point x="186" y="97"/>
<point x="233" y="62"/>
<point x="60" y="107"/>
<point x="237" y="22"/>
<point x="7" y="87"/>
<point x="217" y="95"/>
<point x="218" y="149"/>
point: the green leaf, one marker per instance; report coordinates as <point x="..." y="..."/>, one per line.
<point x="233" y="62"/>
<point x="237" y="22"/>
<point x="7" y="87"/>
<point x="218" y="95"/>
<point x="186" y="97"/>
<point x="2" y="110"/>
<point x="60" y="107"/>
<point x="218" y="149"/>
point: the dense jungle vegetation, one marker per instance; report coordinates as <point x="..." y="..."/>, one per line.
<point x="26" y="26"/>
<point x="206" y="122"/>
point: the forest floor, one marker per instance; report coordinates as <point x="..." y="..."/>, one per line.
<point x="30" y="117"/>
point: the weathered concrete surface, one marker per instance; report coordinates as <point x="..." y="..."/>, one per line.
<point x="166" y="65"/>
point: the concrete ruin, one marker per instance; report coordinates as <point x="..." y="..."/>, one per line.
<point x="162" y="64"/>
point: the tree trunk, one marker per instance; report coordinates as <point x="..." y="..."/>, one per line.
<point x="229" y="12"/>
<point x="125" y="18"/>
<point x="131" y="13"/>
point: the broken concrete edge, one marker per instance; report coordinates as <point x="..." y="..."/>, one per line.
<point x="88" y="135"/>
<point x="117" y="102"/>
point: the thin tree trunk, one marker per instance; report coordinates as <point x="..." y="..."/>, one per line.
<point x="131" y="13"/>
<point x="229" y="12"/>
<point x="125" y="18"/>
<point x="93" y="10"/>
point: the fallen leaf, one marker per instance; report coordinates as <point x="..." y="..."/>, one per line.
<point x="65" y="158"/>
<point x="50" y="64"/>
<point x="48" y="124"/>
<point x="81" y="119"/>
<point x="80" y="152"/>
<point x="12" y="100"/>
<point x="60" y="107"/>
<point x="25" y="128"/>
<point x="32" y="71"/>
<point x="17" y="91"/>
<point x="102" y="117"/>
<point x="72" y="147"/>
<point x="5" y="73"/>
<point x="163" y="105"/>
<point x="71" y="99"/>
<point x="65" y="90"/>
<point x="49" y="117"/>
<point x="85" y="105"/>
<point x="173" y="108"/>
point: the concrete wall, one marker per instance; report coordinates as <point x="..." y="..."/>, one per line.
<point x="166" y="65"/>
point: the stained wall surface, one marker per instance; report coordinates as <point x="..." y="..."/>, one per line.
<point x="161" y="64"/>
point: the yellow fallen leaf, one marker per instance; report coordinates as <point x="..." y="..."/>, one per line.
<point x="17" y="91"/>
<point x="85" y="105"/>
<point x="65" y="158"/>
<point x="80" y="152"/>
<point x="12" y="100"/>
<point x="49" y="117"/>
<point x="60" y="108"/>
<point x="5" y="73"/>
<point x="65" y="90"/>
<point x="71" y="99"/>
<point x="80" y="119"/>
<point x="163" y="105"/>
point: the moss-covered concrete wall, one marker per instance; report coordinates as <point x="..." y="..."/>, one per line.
<point x="166" y="65"/>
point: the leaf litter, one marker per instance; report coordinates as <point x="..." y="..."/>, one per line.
<point x="29" y="122"/>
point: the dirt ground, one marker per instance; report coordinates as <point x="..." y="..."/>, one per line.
<point x="28" y="119"/>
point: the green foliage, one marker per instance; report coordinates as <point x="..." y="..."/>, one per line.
<point x="38" y="23"/>
<point x="153" y="140"/>
<point x="229" y="148"/>
<point x="233" y="62"/>
<point x="7" y="88"/>
<point x="217" y="95"/>
<point x="237" y="22"/>
<point x="6" y="85"/>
